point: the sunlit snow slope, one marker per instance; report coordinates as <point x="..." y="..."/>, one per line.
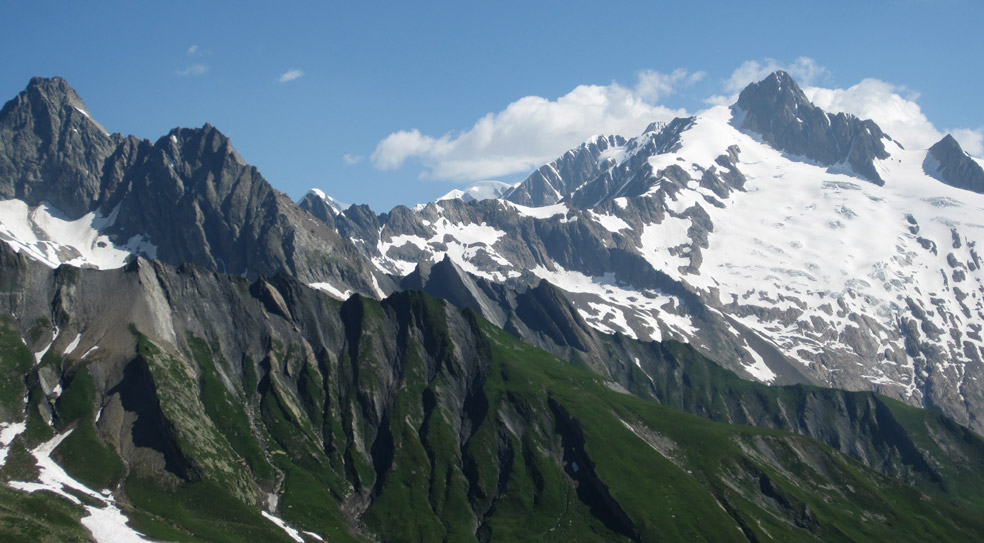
<point x="45" y="234"/>
<point x="856" y="285"/>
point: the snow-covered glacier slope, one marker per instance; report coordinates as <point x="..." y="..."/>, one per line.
<point x="699" y="230"/>
<point x="860" y="283"/>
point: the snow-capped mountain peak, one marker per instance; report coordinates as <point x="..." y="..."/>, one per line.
<point x="854" y="269"/>
<point x="482" y="190"/>
<point x="331" y="202"/>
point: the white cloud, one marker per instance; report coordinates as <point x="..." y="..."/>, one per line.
<point x="192" y="51"/>
<point x="653" y="86"/>
<point x="892" y="107"/>
<point x="290" y="75"/>
<point x="351" y="159"/>
<point x="534" y="130"/>
<point x="804" y="70"/>
<point x="194" y="70"/>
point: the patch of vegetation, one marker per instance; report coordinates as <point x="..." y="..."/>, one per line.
<point x="227" y="412"/>
<point x="177" y="385"/>
<point x="308" y="501"/>
<point x="82" y="454"/>
<point x="20" y="465"/>
<point x="195" y="512"/>
<point x="40" y="326"/>
<point x="705" y="480"/>
<point x="39" y="517"/>
<point x="16" y="361"/>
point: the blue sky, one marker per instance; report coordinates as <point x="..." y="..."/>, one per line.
<point x="398" y="103"/>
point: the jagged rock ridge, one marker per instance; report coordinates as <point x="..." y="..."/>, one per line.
<point x="189" y="194"/>
<point x="948" y="162"/>
<point x="777" y="110"/>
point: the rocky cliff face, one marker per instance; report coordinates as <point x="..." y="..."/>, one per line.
<point x="50" y="148"/>
<point x="189" y="195"/>
<point x="200" y="399"/>
<point x="556" y="181"/>
<point x="777" y="110"/>
<point x="947" y="162"/>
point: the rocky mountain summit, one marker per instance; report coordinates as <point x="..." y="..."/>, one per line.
<point x="777" y="110"/>
<point x="948" y="162"/>
<point x="189" y="196"/>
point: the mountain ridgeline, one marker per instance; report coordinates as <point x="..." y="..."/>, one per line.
<point x="189" y="192"/>
<point x="623" y="347"/>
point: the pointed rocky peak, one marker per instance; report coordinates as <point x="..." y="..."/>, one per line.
<point x="654" y="127"/>
<point x="776" y="94"/>
<point x="947" y="162"/>
<point x="777" y="110"/>
<point x="482" y="190"/>
<point x="203" y="143"/>
<point x="322" y="206"/>
<point x="559" y="179"/>
<point x="51" y="101"/>
<point x="446" y="280"/>
<point x="50" y="148"/>
<point x="55" y="91"/>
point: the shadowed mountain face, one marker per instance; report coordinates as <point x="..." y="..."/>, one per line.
<point x="777" y="110"/>
<point x="189" y="194"/>
<point x="203" y="395"/>
<point x="949" y="163"/>
<point x="50" y="148"/>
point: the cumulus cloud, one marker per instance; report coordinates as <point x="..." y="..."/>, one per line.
<point x="653" y="86"/>
<point x="352" y="159"/>
<point x="893" y="107"/>
<point x="805" y="70"/>
<point x="290" y="75"/>
<point x="194" y="70"/>
<point x="534" y="130"/>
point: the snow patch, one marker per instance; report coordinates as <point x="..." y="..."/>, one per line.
<point x="73" y="345"/>
<point x="332" y="290"/>
<point x="292" y="532"/>
<point x="45" y="234"/>
<point x="9" y="431"/>
<point x="758" y="368"/>
<point x="610" y="222"/>
<point x="107" y="523"/>
<point x="544" y="212"/>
